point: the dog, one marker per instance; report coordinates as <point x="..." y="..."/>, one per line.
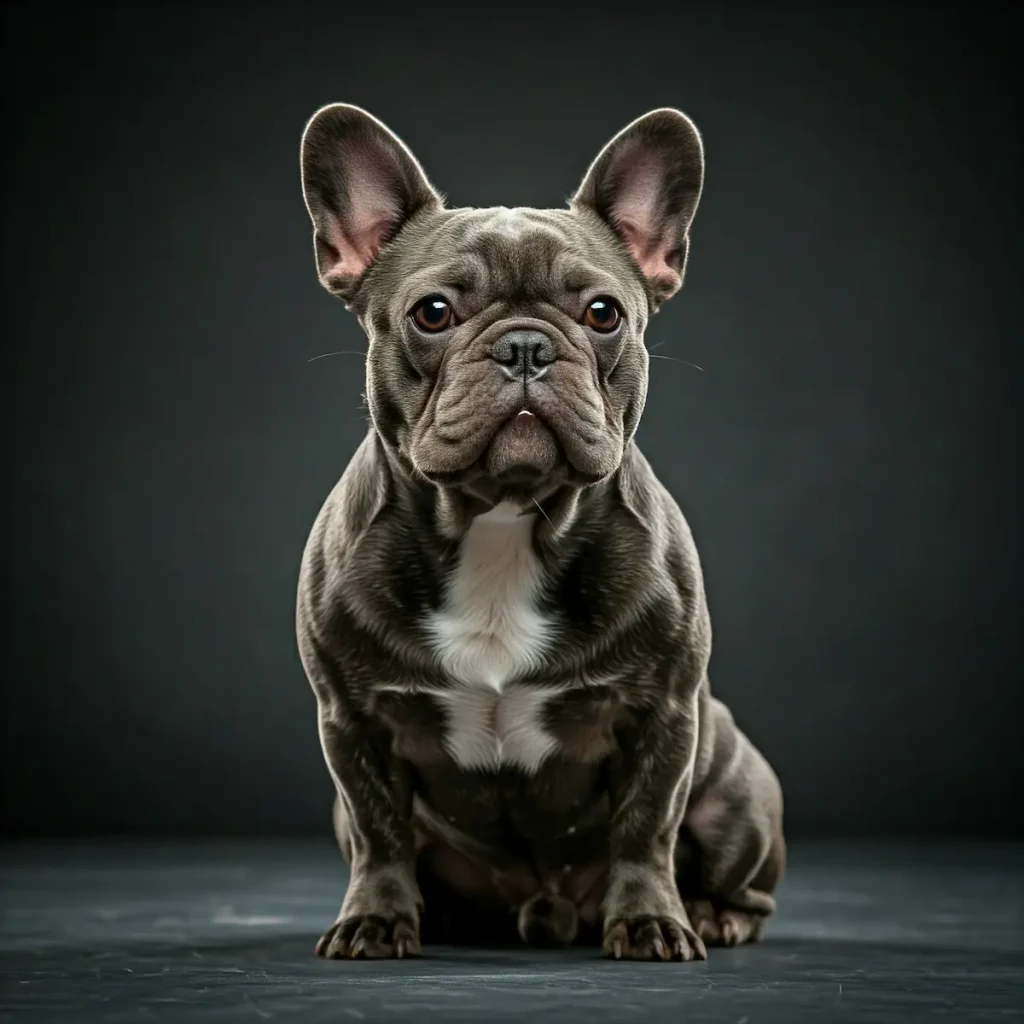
<point x="501" y="610"/>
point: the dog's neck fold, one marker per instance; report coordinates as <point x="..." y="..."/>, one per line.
<point x="555" y="512"/>
<point x="556" y="506"/>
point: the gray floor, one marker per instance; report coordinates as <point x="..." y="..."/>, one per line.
<point x="213" y="932"/>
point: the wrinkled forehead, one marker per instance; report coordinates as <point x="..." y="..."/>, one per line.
<point x="515" y="255"/>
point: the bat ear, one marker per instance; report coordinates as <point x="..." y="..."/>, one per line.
<point x="646" y="183"/>
<point x="361" y="184"/>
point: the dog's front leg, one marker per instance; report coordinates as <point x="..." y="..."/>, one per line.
<point x="644" y="916"/>
<point x="380" y="915"/>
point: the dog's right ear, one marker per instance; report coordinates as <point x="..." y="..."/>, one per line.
<point x="361" y="184"/>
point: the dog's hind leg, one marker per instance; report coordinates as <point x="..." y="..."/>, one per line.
<point x="731" y="852"/>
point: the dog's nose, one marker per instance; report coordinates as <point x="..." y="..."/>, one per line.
<point x="525" y="354"/>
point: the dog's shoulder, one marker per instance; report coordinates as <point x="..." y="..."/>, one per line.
<point x="664" y="544"/>
<point x="646" y="501"/>
<point x="346" y="518"/>
<point x="371" y="560"/>
<point x="354" y="502"/>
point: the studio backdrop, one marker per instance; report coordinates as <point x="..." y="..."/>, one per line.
<point x="834" y="400"/>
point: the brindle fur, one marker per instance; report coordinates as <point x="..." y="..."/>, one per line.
<point x="655" y="825"/>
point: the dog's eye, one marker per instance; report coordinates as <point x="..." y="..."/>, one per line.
<point x="432" y="314"/>
<point x="603" y="315"/>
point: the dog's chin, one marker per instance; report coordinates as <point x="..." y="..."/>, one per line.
<point x="522" y="451"/>
<point x="521" y="461"/>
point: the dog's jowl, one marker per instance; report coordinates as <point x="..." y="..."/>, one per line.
<point x="501" y="609"/>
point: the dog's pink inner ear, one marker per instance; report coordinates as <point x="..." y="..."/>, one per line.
<point x="371" y="212"/>
<point x="638" y="213"/>
<point x="356" y="246"/>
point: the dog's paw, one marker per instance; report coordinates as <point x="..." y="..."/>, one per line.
<point x="652" y="938"/>
<point x="724" y="926"/>
<point x="371" y="937"/>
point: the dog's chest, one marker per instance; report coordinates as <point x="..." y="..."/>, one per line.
<point x="489" y="630"/>
<point x="487" y="634"/>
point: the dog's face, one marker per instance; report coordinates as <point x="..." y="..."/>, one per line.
<point x="506" y="349"/>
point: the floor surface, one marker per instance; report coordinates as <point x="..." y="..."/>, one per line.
<point x="195" y="933"/>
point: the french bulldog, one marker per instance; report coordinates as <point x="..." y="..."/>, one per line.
<point x="501" y="610"/>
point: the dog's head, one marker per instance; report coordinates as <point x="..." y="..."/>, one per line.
<point x="506" y="354"/>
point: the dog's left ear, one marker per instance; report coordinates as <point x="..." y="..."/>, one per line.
<point x="361" y="184"/>
<point x="646" y="184"/>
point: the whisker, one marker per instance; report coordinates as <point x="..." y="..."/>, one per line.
<point x="542" y="512"/>
<point x="675" y="360"/>
<point x="324" y="355"/>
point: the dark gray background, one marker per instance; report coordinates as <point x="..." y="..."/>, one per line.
<point x="849" y="457"/>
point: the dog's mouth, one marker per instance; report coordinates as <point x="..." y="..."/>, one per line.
<point x="523" y="449"/>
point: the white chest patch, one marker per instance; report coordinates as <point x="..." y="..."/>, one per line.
<point x="488" y="632"/>
<point x="488" y="730"/>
